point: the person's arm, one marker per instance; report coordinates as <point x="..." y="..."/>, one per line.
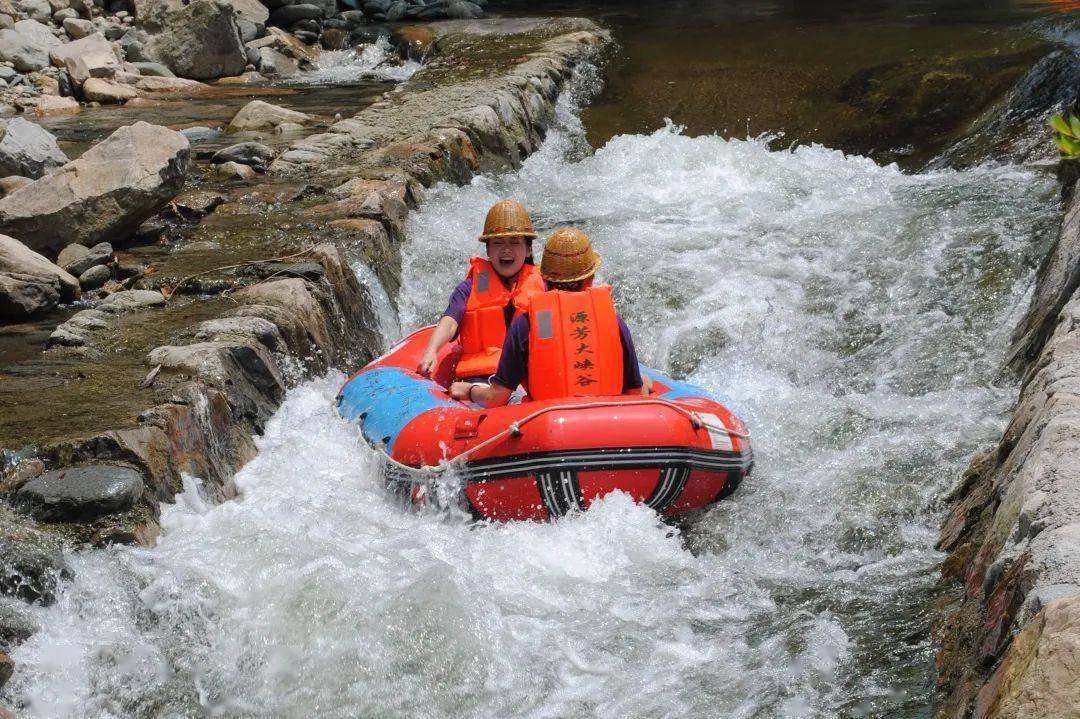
<point x="444" y="331"/>
<point x="446" y="328"/>
<point x="485" y="395"/>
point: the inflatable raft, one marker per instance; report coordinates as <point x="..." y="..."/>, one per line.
<point x="677" y="450"/>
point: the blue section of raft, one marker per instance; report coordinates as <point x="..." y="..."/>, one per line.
<point x="386" y="399"/>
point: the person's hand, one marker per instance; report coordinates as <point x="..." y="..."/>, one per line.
<point x="460" y="390"/>
<point x="427" y="363"/>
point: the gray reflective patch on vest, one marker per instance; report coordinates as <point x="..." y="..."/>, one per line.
<point x="483" y="280"/>
<point x="543" y="319"/>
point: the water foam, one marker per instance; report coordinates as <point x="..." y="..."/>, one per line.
<point x="373" y="61"/>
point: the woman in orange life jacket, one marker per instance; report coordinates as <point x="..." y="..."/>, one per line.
<point x="496" y="291"/>
<point x="570" y="342"/>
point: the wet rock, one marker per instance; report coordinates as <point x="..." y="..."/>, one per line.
<point x="78" y="329"/>
<point x="272" y="62"/>
<point x="106" y="193"/>
<point x="413" y="41"/>
<point x="91" y="56"/>
<point x="49" y="105"/>
<point x="77" y="28"/>
<point x="352" y="18"/>
<point x="17" y="623"/>
<point x="234" y="171"/>
<point x="14" y="477"/>
<point x="81" y="493"/>
<point x="306" y="37"/>
<point x="199" y="133"/>
<point x="153" y="69"/>
<point x="334" y="39"/>
<point x="15" y="257"/>
<point x="79" y="259"/>
<point x="27" y="149"/>
<point x="22" y="52"/>
<point x="7" y="668"/>
<point x="287" y="44"/>
<point x="95" y="277"/>
<point x="259" y="115"/>
<point x="25" y="295"/>
<point x="108" y="92"/>
<point x="30" y="572"/>
<point x="244" y="329"/>
<point x="197" y="203"/>
<point x="199" y="41"/>
<point x="254" y="154"/>
<point x="131" y="301"/>
<point x="463" y="10"/>
<point x="289" y="14"/>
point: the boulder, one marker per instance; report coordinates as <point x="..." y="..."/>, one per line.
<point x="11" y="183"/>
<point x="200" y="41"/>
<point x="15" y="257"/>
<point x="287" y="44"/>
<point x="131" y="301"/>
<point x="289" y="14"/>
<point x="27" y="149"/>
<point x="463" y="10"/>
<point x="155" y="85"/>
<point x="105" y="194"/>
<point x="91" y="56"/>
<point x="77" y="28"/>
<point x="234" y="171"/>
<point x="259" y="115"/>
<point x="95" y="277"/>
<point x="40" y="34"/>
<point x="272" y="62"/>
<point x="24" y="54"/>
<point x="49" y="105"/>
<point x="242" y="329"/>
<point x="252" y="11"/>
<point x="80" y="493"/>
<point x="22" y="296"/>
<point x="31" y="572"/>
<point x="39" y="10"/>
<point x="255" y="154"/>
<point x="79" y="259"/>
<point x="108" y="92"/>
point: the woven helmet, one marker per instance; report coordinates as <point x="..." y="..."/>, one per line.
<point x="508" y="218"/>
<point x="568" y="256"/>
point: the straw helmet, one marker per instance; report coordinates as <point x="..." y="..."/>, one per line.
<point x="568" y="256"/>
<point x="508" y="218"/>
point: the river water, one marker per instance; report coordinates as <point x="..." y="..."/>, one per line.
<point x="856" y="314"/>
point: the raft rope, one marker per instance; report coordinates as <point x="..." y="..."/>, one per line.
<point x="514" y="429"/>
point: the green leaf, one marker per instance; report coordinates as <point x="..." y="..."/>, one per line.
<point x="1068" y="146"/>
<point x="1058" y="123"/>
<point x="1074" y="124"/>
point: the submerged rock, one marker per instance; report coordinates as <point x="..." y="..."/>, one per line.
<point x="105" y="194"/>
<point x="80" y="493"/>
<point x="28" y="149"/>
<point x="131" y="300"/>
<point x="30" y="572"/>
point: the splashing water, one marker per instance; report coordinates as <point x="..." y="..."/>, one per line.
<point x="857" y="313"/>
<point x="374" y="61"/>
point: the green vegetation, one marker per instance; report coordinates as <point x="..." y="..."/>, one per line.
<point x="1068" y="135"/>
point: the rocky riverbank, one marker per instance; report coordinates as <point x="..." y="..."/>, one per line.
<point x="173" y="364"/>
<point x="1008" y="625"/>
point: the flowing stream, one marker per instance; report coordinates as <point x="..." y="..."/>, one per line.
<point x="857" y="315"/>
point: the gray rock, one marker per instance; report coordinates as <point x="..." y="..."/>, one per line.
<point x="93" y="56"/>
<point x="39" y="10"/>
<point x="30" y="572"/>
<point x="243" y="329"/>
<point x="69" y="254"/>
<point x="255" y="154"/>
<point x="106" y="193"/>
<point x="80" y="493"/>
<point x="272" y="62"/>
<point x="153" y="69"/>
<point x="373" y="6"/>
<point x="17" y="622"/>
<point x="95" y="277"/>
<point x="234" y="171"/>
<point x="66" y="14"/>
<point x="133" y="43"/>
<point x="24" y="295"/>
<point x="199" y="133"/>
<point x="8" y="73"/>
<point x="286" y="16"/>
<point x="396" y="11"/>
<point x="23" y="53"/>
<point x="77" y="28"/>
<point x="130" y="301"/>
<point x="463" y="10"/>
<point x="39" y="34"/>
<point x="15" y="257"/>
<point x="27" y="149"/>
<point x="99" y="254"/>
<point x="200" y="41"/>
<point x="251" y="11"/>
<point x="249" y="30"/>
<point x="78" y="329"/>
<point x="304" y="36"/>
<point x="259" y="115"/>
<point x="354" y="18"/>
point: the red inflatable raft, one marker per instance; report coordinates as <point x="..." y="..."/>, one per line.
<point x="677" y="450"/>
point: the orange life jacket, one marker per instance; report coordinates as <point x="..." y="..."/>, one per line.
<point x="574" y="344"/>
<point x="483" y="327"/>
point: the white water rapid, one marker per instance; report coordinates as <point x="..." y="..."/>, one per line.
<point x="856" y="314"/>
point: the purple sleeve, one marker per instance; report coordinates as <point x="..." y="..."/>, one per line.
<point x="631" y="369"/>
<point x="458" y="299"/>
<point x="514" y="362"/>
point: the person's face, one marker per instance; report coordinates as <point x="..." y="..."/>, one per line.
<point x="508" y="254"/>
